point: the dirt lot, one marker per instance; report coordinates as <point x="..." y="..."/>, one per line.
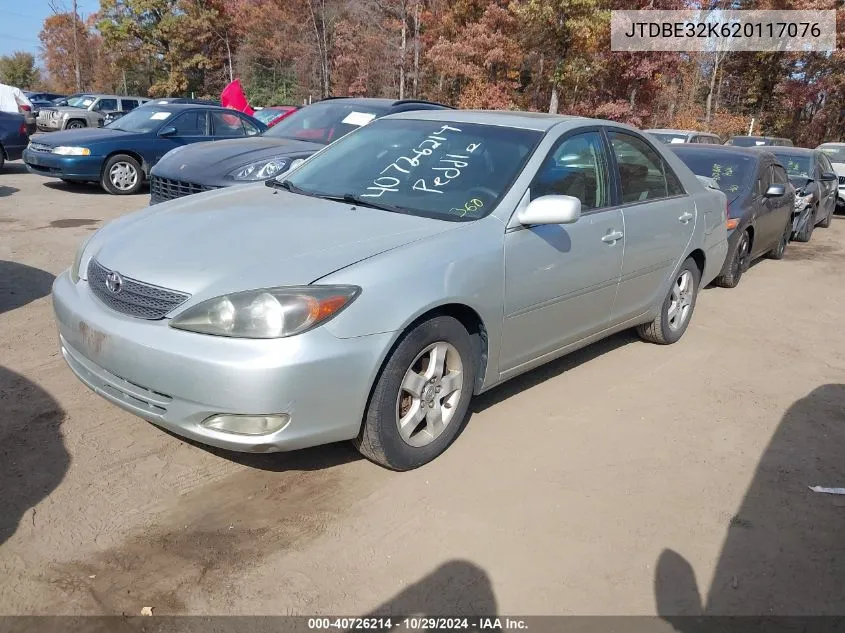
<point x="626" y="479"/>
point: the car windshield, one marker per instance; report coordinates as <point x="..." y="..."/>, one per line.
<point x="324" y="122"/>
<point x="140" y="120"/>
<point x="449" y="171"/>
<point x="669" y="138"/>
<point x="731" y="173"/>
<point x="797" y="167"/>
<point x="834" y="153"/>
<point x="82" y="101"/>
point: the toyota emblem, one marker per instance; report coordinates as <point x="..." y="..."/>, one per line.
<point x="114" y="282"/>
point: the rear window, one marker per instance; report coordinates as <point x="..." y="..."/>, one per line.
<point x="731" y="173"/>
<point x="324" y="122"/>
<point x="747" y="141"/>
<point x="797" y="167"/>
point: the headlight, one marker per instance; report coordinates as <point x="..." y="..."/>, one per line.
<point x="267" y="313"/>
<point x="801" y="202"/>
<point x="261" y="170"/>
<point x="77" y="260"/>
<point x="72" y="151"/>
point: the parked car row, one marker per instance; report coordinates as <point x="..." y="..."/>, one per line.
<point x="381" y="262"/>
<point x="673" y="137"/>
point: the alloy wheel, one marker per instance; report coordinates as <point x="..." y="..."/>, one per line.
<point x="123" y="176"/>
<point x="680" y="301"/>
<point x="429" y="394"/>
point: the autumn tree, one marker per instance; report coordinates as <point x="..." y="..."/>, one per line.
<point x="19" y="69"/>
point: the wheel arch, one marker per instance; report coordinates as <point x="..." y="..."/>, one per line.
<point x="699" y="258"/>
<point x="74" y="120"/>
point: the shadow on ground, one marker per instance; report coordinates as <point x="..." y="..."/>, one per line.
<point x="456" y="588"/>
<point x="33" y="458"/>
<point x="7" y="191"/>
<point x="21" y="284"/>
<point x="16" y="167"/>
<point x="784" y="552"/>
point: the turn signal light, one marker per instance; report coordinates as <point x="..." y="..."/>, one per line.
<point x="732" y="223"/>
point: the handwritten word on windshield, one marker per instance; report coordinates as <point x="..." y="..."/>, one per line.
<point x="448" y="167"/>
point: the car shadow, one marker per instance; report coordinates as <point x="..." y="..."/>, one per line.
<point x="21" y="284"/>
<point x="16" y="167"/>
<point x="455" y="589"/>
<point x="784" y="553"/>
<point x="33" y="458"/>
<point x="550" y="370"/>
<point x="75" y="187"/>
<point x="7" y="191"/>
<point x="316" y="458"/>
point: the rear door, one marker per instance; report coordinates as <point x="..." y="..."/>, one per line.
<point x="659" y="221"/>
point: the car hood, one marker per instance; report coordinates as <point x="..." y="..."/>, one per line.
<point x="249" y="236"/>
<point x="220" y="157"/>
<point x="83" y="136"/>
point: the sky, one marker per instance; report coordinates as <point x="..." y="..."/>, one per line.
<point x="21" y="20"/>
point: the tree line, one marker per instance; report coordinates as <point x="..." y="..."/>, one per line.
<point x="544" y="55"/>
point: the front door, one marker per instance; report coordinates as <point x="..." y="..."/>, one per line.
<point x="659" y="221"/>
<point x="561" y="280"/>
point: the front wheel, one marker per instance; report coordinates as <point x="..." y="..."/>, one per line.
<point x="676" y="311"/>
<point x="122" y="175"/>
<point x="420" y="400"/>
<point x="74" y="125"/>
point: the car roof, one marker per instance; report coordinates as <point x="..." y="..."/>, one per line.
<point x="832" y="144"/>
<point x="692" y="148"/>
<point x="179" y="107"/>
<point x="673" y="131"/>
<point x="504" y="118"/>
<point x="100" y="95"/>
<point x="764" y="138"/>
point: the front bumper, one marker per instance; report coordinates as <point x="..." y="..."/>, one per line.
<point x="68" y="167"/>
<point x="177" y="379"/>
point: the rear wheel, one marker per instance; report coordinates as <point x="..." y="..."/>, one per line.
<point x="420" y="400"/>
<point x="122" y="175"/>
<point x="806" y="233"/>
<point x="780" y="248"/>
<point x="740" y="259"/>
<point x="671" y="322"/>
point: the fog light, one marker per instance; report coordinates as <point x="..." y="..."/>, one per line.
<point x="247" y="424"/>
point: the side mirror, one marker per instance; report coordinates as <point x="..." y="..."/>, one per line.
<point x="829" y="176"/>
<point x="775" y="190"/>
<point x="167" y="131"/>
<point x="550" y="210"/>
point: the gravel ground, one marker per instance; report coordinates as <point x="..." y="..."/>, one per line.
<point x="627" y="478"/>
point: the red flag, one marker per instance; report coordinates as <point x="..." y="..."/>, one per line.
<point x="233" y="97"/>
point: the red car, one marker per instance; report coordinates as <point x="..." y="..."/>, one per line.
<point x="273" y="114"/>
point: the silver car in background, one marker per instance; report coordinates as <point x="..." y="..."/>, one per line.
<point x="369" y="293"/>
<point x="85" y="110"/>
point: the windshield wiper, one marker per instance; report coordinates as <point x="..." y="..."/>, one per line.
<point x="288" y="185"/>
<point x="362" y="202"/>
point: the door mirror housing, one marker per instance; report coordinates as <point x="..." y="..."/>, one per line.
<point x="168" y="130"/>
<point x="828" y="176"/>
<point x="775" y="190"/>
<point x="550" y="210"/>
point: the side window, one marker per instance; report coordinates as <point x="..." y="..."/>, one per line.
<point x="128" y="104"/>
<point x="249" y="128"/>
<point x="643" y="174"/>
<point x="779" y="175"/>
<point x="826" y="164"/>
<point x="575" y="167"/>
<point x="227" y="125"/>
<point x="105" y="105"/>
<point x="190" y="124"/>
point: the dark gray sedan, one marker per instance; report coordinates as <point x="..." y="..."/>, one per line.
<point x="222" y="164"/>
<point x="760" y="202"/>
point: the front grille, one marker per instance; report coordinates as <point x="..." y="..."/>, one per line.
<point x="40" y="147"/>
<point x="162" y="189"/>
<point x="842" y="180"/>
<point x="133" y="297"/>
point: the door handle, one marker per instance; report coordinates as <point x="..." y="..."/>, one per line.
<point x="686" y="216"/>
<point x="613" y="237"/>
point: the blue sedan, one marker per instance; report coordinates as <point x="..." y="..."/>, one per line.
<point x="120" y="156"/>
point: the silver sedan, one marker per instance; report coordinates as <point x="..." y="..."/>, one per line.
<point x="368" y="294"/>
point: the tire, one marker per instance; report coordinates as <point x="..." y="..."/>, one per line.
<point x="661" y="330"/>
<point x="806" y="233"/>
<point x="381" y="440"/>
<point x="2" y="157"/>
<point x="75" y="125"/>
<point x="740" y="259"/>
<point x="825" y="224"/>
<point x="780" y="248"/>
<point x="122" y="175"/>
